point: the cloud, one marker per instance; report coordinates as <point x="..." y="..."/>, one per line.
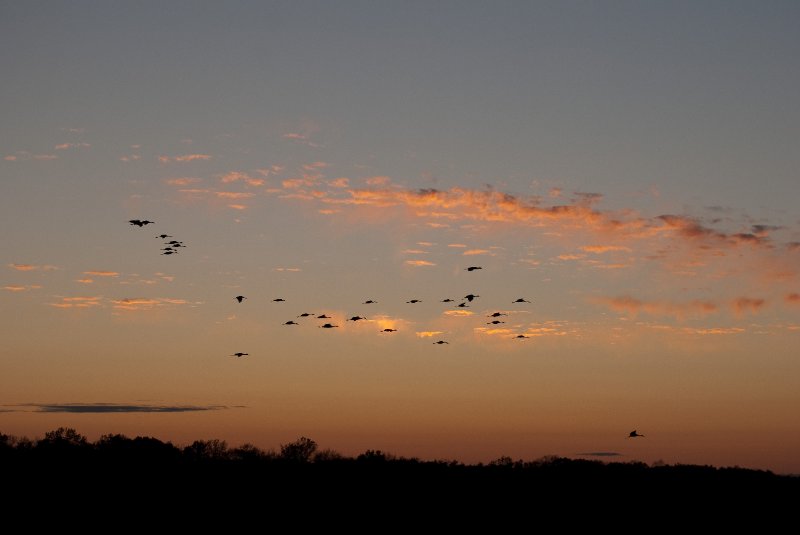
<point x="32" y="267"/>
<point x="45" y="157"/>
<point x="304" y="139"/>
<point x="414" y="251"/>
<point x="85" y="281"/>
<point x="15" y="288"/>
<point x="419" y="263"/>
<point x="145" y="303"/>
<point x="102" y="273"/>
<point x="456" y="245"/>
<point x="714" y="331"/>
<point x="747" y="304"/>
<point x="237" y="206"/>
<point x="793" y="298"/>
<point x="184" y="158"/>
<point x="425" y="244"/>
<point x="77" y="302"/>
<point x="378" y="180"/>
<point x="600" y="249"/>
<point x="65" y="146"/>
<point x="679" y="311"/>
<point x="340" y="182"/>
<point x="292" y="269"/>
<point x="10" y="158"/>
<point x="474" y="252"/>
<point x="234" y="194"/>
<point x="428" y="334"/>
<point x="458" y="313"/>
<point x="94" y="408"/>
<point x="183" y="181"/>
<point x="271" y="170"/>
<point x="236" y="176"/>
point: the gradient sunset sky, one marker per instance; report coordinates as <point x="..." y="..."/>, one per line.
<point x="630" y="168"/>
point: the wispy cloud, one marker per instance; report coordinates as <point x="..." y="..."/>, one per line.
<point x="183" y="181"/>
<point x="65" y="146"/>
<point x="458" y="313"/>
<point x="32" y="267"/>
<point x="182" y="158"/>
<point x="428" y="334"/>
<point x="474" y="252"/>
<point x="94" y="408"/>
<point x="78" y="302"/>
<point x="600" y="249"/>
<point x="12" y="288"/>
<point x="793" y="298"/>
<point x="102" y="273"/>
<point x="419" y="263"/>
<point x="680" y="311"/>
<point x="748" y="304"/>
<point x="145" y="303"/>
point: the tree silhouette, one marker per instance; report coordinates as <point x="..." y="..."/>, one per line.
<point x="301" y="450"/>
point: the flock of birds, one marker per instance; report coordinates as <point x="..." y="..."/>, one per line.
<point x="173" y="245"/>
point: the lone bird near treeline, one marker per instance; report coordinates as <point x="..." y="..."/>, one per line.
<point x="634" y="434"/>
<point x="240" y="298"/>
<point x="140" y="222"/>
<point x="237" y="355"/>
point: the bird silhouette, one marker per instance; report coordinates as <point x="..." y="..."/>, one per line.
<point x="369" y="302"/>
<point x="240" y="298"/>
<point x="140" y="222"/>
<point x="327" y="326"/>
<point x="240" y="355"/>
<point x="494" y="322"/>
<point x="520" y="300"/>
<point x="162" y="236"/>
<point x="279" y="300"/>
<point x="291" y="322"/>
<point x="634" y="434"/>
<point x="305" y="314"/>
<point x="496" y="315"/>
<point x="440" y="342"/>
<point x="389" y="331"/>
<point x="470" y="297"/>
<point x="356" y="318"/>
<point x="448" y="300"/>
<point x="169" y="252"/>
<point x="323" y="317"/>
<point x="463" y="305"/>
<point x="473" y="268"/>
<point x="174" y="242"/>
<point x="414" y="301"/>
<point x="521" y="336"/>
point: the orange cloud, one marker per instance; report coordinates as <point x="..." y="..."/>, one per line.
<point x="65" y="146"/>
<point x="458" y="313"/>
<point x="183" y="181"/>
<point x="428" y="334"/>
<point x="747" y="304"/>
<point x="102" y="273"/>
<point x="77" y="302"/>
<point x="15" y="288"/>
<point x="473" y="252"/>
<point x="419" y="263"/>
<point x="378" y="180"/>
<point x="145" y="303"/>
<point x="714" y="331"/>
<point x="184" y="158"/>
<point x="233" y="194"/>
<point x="341" y="182"/>
<point x="236" y="176"/>
<point x="680" y="311"/>
<point x="31" y="267"/>
<point x="414" y="251"/>
<point x="237" y="206"/>
<point x="84" y="281"/>
<point x="600" y="249"/>
<point x="456" y="245"/>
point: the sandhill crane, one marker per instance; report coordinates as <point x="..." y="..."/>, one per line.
<point x="463" y="305"/>
<point x="327" y="326"/>
<point x="169" y="252"/>
<point x="356" y="318"/>
<point x="163" y="236"/>
<point x="494" y="322"/>
<point x="240" y="298"/>
<point x="291" y="322"/>
<point x="496" y="315"/>
<point x="473" y="268"/>
<point x="440" y="342"/>
<point x="413" y="301"/>
<point x="634" y="434"/>
<point x="140" y="222"/>
<point x="305" y="314"/>
<point x="278" y="300"/>
<point x="448" y="300"/>
<point x="470" y="297"/>
<point x="521" y="336"/>
<point x="389" y="331"/>
<point x="237" y="355"/>
<point x="520" y="300"/>
<point x="323" y="317"/>
<point x="369" y="302"/>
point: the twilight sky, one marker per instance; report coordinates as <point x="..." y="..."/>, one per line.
<point x="630" y="168"/>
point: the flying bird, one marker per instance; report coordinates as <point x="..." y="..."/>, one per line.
<point x="327" y="326"/>
<point x="169" y="252"/>
<point x="448" y="300"/>
<point x="494" y="322"/>
<point x="470" y="297"/>
<point x="389" y="331"/>
<point x="322" y="317"/>
<point x="356" y="318"/>
<point x="463" y="305"/>
<point x="634" y="434"/>
<point x="521" y="336"/>
<point x="520" y="300"/>
<point x="305" y="314"/>
<point x="440" y="342"/>
<point x="473" y="268"/>
<point x="240" y="298"/>
<point x="162" y="236"/>
<point x="240" y="355"/>
<point x="140" y="222"/>
<point x="291" y="322"/>
<point x="496" y="315"/>
<point x="369" y="302"/>
<point x="279" y="300"/>
<point x="414" y="301"/>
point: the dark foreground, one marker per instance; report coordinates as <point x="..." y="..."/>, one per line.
<point x="142" y="476"/>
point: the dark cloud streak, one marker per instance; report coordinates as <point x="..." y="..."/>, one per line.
<point x="97" y="408"/>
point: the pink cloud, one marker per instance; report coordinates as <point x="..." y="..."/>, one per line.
<point x="747" y="304"/>
<point x="419" y="263"/>
<point x="474" y="252"/>
<point x="10" y="158"/>
<point x="233" y="194"/>
<point x="679" y="311"/>
<point x="600" y="249"/>
<point x="183" y="181"/>
<point x="31" y="267"/>
<point x="237" y="206"/>
<point x="184" y="158"/>
<point x="341" y="182"/>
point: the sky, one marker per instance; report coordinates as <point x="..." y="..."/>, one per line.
<point x="628" y="169"/>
